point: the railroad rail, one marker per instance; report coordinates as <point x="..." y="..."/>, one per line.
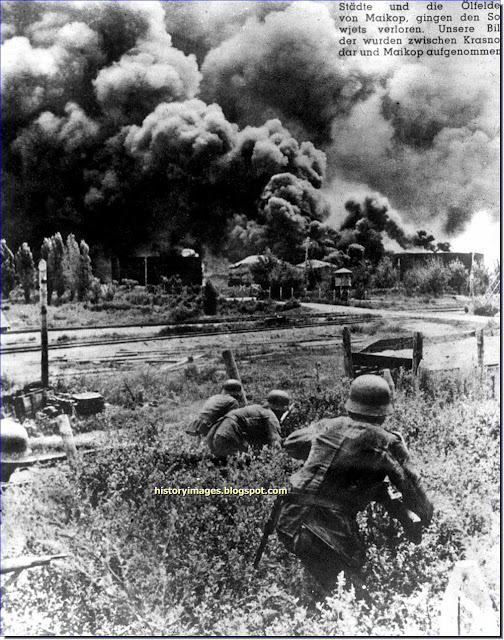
<point x="344" y="319"/>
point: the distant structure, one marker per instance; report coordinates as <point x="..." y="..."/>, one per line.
<point x="240" y="273"/>
<point x="318" y="272"/>
<point x="343" y="283"/>
<point x="148" y="266"/>
<point x="407" y="260"/>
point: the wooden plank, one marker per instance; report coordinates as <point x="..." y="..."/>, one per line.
<point x="389" y="344"/>
<point x="27" y="562"/>
<point x="480" y="343"/>
<point x="232" y="371"/>
<point x="417" y="351"/>
<point x="347" y="353"/>
<point x="377" y="361"/>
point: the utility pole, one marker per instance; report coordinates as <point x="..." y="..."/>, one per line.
<point x="307" y="249"/>
<point x="43" y="314"/>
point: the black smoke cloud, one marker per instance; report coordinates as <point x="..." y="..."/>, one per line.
<point x="285" y="65"/>
<point x="168" y="120"/>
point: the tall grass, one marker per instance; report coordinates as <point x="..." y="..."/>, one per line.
<point x="147" y="564"/>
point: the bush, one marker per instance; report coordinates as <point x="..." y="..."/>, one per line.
<point x="386" y="276"/>
<point x="25" y="268"/>
<point x="458" y="277"/>
<point x="146" y="564"/>
<point x="485" y="309"/>
<point x="431" y="278"/>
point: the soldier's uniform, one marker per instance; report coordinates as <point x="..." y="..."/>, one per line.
<point x="253" y="425"/>
<point x="347" y="462"/>
<point x="214" y="408"/>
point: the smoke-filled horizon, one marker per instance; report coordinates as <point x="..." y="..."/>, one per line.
<point x="195" y="122"/>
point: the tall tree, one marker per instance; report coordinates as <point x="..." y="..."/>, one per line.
<point x="85" y="272"/>
<point x="25" y="268"/>
<point x="57" y="258"/>
<point x="8" y="269"/>
<point x="73" y="265"/>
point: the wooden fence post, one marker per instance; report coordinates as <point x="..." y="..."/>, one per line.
<point x="347" y="353"/>
<point x="42" y="266"/>
<point x="63" y="422"/>
<point x="232" y="371"/>
<point x="417" y="351"/>
<point x="480" y="342"/>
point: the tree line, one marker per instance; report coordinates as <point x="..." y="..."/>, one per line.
<point x="68" y="268"/>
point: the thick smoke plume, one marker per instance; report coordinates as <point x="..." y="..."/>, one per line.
<point x="195" y="122"/>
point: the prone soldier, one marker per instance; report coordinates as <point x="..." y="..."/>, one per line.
<point x="253" y="425"/>
<point x="216" y="407"/>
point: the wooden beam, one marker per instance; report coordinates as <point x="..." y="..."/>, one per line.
<point x="232" y="371"/>
<point x="347" y="353"/>
<point x="378" y="361"/>
<point x="27" y="562"/>
<point x="480" y="342"/>
<point x="417" y="351"/>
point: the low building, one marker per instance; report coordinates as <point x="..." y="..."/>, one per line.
<point x="342" y="283"/>
<point x="407" y="260"/>
<point x="240" y="273"/>
<point x="317" y="272"/>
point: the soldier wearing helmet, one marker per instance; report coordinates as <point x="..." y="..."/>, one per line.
<point x="253" y="425"/>
<point x="13" y="446"/>
<point x="347" y="463"/>
<point x="216" y="407"/>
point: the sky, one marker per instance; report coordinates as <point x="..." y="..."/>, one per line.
<point x="88" y="87"/>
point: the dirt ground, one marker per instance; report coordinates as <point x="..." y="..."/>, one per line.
<point x="171" y="352"/>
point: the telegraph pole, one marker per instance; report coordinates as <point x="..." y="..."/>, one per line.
<point x="43" y="314"/>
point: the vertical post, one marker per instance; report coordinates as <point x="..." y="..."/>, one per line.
<point x="232" y="370"/>
<point x="281" y="293"/>
<point x="334" y="295"/>
<point x="43" y="315"/>
<point x="480" y="342"/>
<point x="145" y="270"/>
<point x="292" y="292"/>
<point x="270" y="292"/>
<point x="63" y="422"/>
<point x="389" y="380"/>
<point x="417" y="351"/>
<point x="347" y="353"/>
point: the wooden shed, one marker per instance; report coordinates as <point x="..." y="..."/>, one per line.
<point x="342" y="282"/>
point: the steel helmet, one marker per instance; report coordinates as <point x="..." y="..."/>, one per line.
<point x="232" y="386"/>
<point x="14" y="440"/>
<point x="369" y="396"/>
<point x="278" y="399"/>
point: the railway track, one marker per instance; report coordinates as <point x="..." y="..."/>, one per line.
<point x="346" y="319"/>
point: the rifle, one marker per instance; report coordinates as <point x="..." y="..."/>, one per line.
<point x="392" y="501"/>
<point x="269" y="528"/>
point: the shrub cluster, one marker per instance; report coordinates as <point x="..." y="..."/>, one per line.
<point x="68" y="268"/>
<point x="147" y="564"/>
<point x="435" y="278"/>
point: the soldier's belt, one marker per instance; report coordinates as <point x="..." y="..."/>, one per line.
<point x="310" y="500"/>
